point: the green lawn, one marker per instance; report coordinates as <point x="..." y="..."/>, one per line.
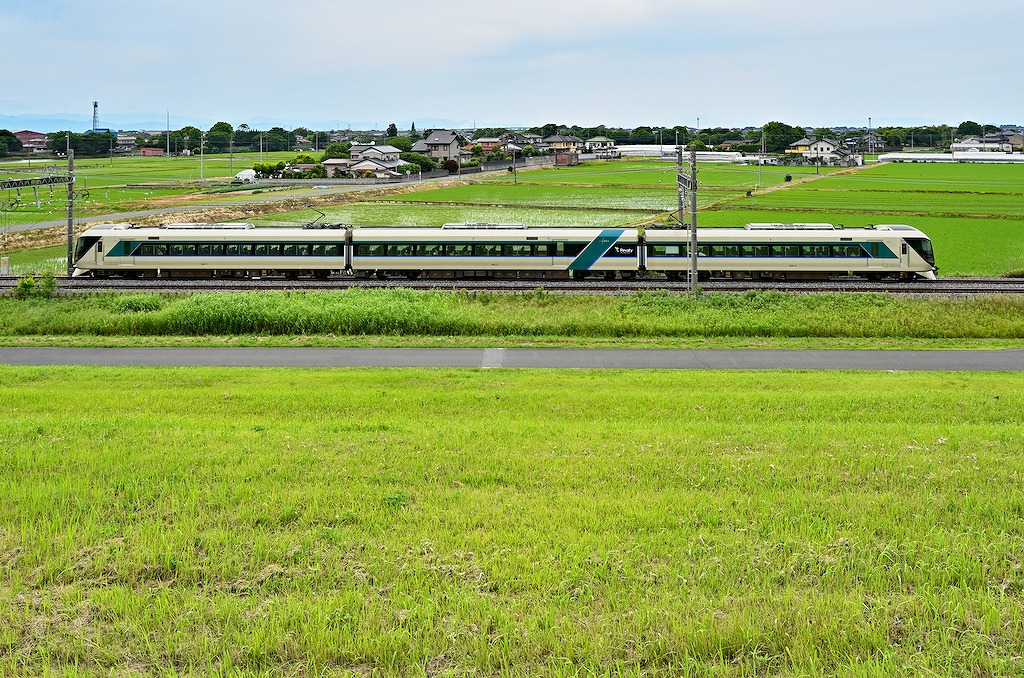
<point x="411" y="522"/>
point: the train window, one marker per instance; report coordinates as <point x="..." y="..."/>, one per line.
<point x="815" y="250"/>
<point x="432" y="250"/>
<point x="732" y="250"/>
<point x="176" y="249"/>
<point x="846" y="250"/>
<point x="370" y="250"/>
<point x="756" y="250"/>
<point x="718" y="250"/>
<point x="332" y="250"/>
<point x="487" y="250"/>
<point x="516" y="251"/>
<point x="458" y="250"/>
<point x="542" y="250"/>
<point x="560" y="249"/>
<point x="664" y="250"/>
<point x="245" y="250"/>
<point x="703" y="250"/>
<point x="318" y="250"/>
<point x="785" y="250"/>
<point x="573" y="248"/>
<point x="290" y="250"/>
<point x="153" y="250"/>
<point x="231" y="250"/>
<point x="903" y="248"/>
<point x="262" y="250"/>
<point x="400" y="250"/>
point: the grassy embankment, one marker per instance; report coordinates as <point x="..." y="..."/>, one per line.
<point x="396" y="317"/>
<point x="402" y="522"/>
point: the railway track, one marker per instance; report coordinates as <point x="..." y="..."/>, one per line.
<point x="943" y="286"/>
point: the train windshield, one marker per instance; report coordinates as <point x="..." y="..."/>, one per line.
<point x="923" y="246"/>
<point x="84" y="243"/>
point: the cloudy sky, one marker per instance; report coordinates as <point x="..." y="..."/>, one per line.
<point x="347" y="63"/>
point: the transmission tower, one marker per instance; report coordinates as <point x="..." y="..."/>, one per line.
<point x="95" y="115"/>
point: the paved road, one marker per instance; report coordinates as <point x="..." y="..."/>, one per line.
<point x="1005" y="360"/>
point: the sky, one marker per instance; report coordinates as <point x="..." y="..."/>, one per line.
<point x="338" y="64"/>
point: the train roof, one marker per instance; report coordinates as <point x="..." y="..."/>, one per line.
<point x="454" y="232"/>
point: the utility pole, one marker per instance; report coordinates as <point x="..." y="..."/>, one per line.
<point x="71" y="211"/>
<point x="693" y="220"/>
<point x="687" y="192"/>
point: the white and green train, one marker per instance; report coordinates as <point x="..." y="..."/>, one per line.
<point x="756" y="252"/>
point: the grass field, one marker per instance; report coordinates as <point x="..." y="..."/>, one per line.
<point x="534" y="316"/>
<point x="401" y="522"/>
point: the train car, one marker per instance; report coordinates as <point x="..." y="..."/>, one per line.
<point x="757" y="251"/>
<point x="795" y="251"/>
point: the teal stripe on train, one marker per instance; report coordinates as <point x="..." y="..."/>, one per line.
<point x="596" y="249"/>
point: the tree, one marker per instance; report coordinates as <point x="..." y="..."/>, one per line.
<point x="8" y="142"/>
<point x="529" y="151"/>
<point x="191" y="136"/>
<point x="304" y="159"/>
<point x="424" y="162"/>
<point x="88" y="144"/>
<point x="477" y="150"/>
<point x="451" y="165"/>
<point x="392" y="130"/>
<point x="337" y="150"/>
<point x="401" y="143"/>
<point x="823" y="133"/>
<point x="970" y="128"/>
<point x="219" y="137"/>
<point x="779" y="135"/>
<point x="277" y="139"/>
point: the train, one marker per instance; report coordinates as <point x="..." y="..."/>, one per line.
<point x="757" y="251"/>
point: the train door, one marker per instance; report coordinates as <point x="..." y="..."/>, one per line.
<point x="904" y="255"/>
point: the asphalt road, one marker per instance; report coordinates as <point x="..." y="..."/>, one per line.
<point x="559" y="358"/>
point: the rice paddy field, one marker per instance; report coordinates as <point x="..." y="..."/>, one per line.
<point x="973" y="212"/>
<point x="121" y="184"/>
<point x="407" y="523"/>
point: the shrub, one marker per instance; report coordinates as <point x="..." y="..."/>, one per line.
<point x="31" y="288"/>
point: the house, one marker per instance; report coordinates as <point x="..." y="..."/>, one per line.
<point x="147" y="152"/>
<point x="126" y="143"/>
<point x="984" y="144"/>
<point x="375" y="152"/>
<point x="871" y="142"/>
<point x="31" y="142"/>
<point x="560" y="143"/>
<point x="442" y="144"/>
<point x="594" y="144"/>
<point x="818" y="150"/>
<point x="486" y="143"/>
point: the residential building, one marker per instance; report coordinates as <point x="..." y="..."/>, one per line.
<point x="442" y="145"/>
<point x="561" y="143"/>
